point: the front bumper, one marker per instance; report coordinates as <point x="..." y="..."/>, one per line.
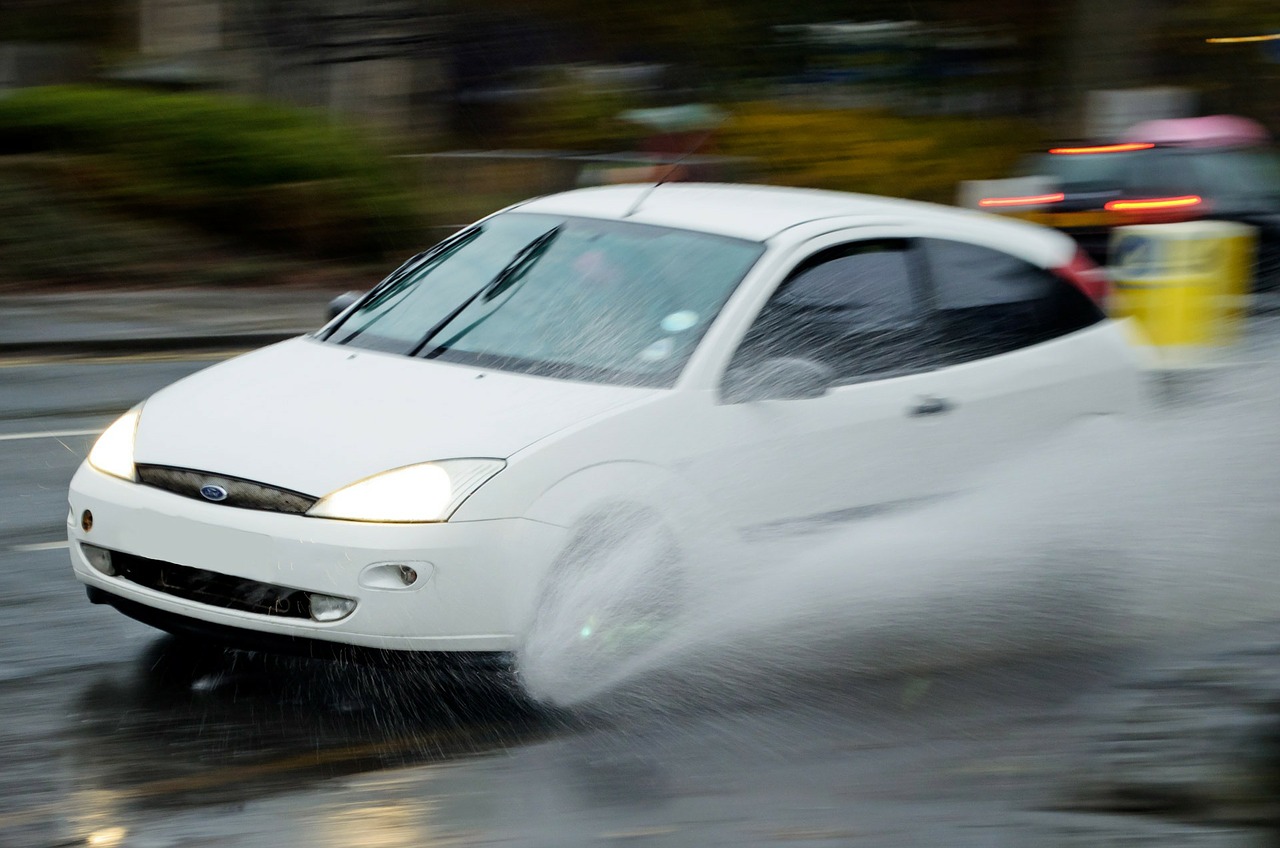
<point x="477" y="583"/>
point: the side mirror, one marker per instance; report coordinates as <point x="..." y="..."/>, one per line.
<point x="780" y="378"/>
<point x="343" y="302"/>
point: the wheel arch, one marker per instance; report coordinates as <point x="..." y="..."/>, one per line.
<point x="631" y="486"/>
<point x="603" y="491"/>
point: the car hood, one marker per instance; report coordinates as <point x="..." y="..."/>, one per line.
<point x="313" y="417"/>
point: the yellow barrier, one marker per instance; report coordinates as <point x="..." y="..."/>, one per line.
<point x="1185" y="284"/>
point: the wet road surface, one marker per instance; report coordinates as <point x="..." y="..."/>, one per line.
<point x="117" y="735"/>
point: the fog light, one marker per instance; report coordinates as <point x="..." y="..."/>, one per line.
<point x="329" y="608"/>
<point x="99" y="558"/>
<point x="408" y="575"/>
<point x="86" y="521"/>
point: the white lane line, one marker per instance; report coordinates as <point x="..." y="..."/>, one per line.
<point x="107" y="359"/>
<point x="47" y="434"/>
<point x="39" y="546"/>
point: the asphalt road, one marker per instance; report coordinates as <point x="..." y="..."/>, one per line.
<point x="114" y="735"/>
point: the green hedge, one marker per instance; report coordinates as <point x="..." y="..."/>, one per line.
<point x="53" y="237"/>
<point x="277" y="175"/>
<point x="875" y="152"/>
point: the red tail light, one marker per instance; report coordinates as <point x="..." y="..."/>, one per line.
<point x="1025" y="200"/>
<point x="1082" y="273"/>
<point x="1102" y="148"/>
<point x="1154" y="204"/>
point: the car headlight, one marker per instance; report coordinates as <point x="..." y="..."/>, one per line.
<point x="113" y="452"/>
<point x="428" y="492"/>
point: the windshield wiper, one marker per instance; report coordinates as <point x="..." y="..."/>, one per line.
<point x="400" y="277"/>
<point x="511" y="274"/>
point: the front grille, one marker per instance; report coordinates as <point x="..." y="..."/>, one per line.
<point x="245" y="494"/>
<point x="211" y="588"/>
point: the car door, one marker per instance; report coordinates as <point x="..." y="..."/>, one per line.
<point x="857" y="308"/>
<point x="1020" y="352"/>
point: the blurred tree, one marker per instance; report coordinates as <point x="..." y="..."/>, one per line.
<point x="377" y="61"/>
<point x="1105" y="44"/>
<point x="1217" y="18"/>
<point x="101" y="22"/>
<point x="327" y="32"/>
<point x="725" y="51"/>
<point x="714" y="42"/>
<point x="1242" y="77"/>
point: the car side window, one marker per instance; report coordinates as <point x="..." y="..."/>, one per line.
<point x="853" y="308"/>
<point x="987" y="302"/>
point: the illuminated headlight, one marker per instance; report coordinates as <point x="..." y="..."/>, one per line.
<point x="428" y="492"/>
<point x="113" y="452"/>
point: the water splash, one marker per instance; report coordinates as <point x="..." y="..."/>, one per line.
<point x="1113" y="531"/>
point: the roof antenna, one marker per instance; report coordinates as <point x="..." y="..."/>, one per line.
<point x="644" y="195"/>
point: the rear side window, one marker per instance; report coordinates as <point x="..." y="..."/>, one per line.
<point x="987" y="302"/>
<point x="854" y="308"/>
<point x="859" y="287"/>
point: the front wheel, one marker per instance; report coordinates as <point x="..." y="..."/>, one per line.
<point x="614" y="594"/>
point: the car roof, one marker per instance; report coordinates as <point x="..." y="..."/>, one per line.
<point x="1209" y="131"/>
<point x="760" y="213"/>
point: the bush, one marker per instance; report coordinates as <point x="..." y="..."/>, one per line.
<point x="875" y="152"/>
<point x="566" y="114"/>
<point x="49" y="236"/>
<point x="274" y="174"/>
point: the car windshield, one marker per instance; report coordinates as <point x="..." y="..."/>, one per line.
<point x="606" y="301"/>
<point x="1080" y="172"/>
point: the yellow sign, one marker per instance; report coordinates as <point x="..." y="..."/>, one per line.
<point x="1185" y="284"/>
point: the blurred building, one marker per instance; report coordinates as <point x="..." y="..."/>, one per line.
<point x="24" y="63"/>
<point x="911" y="65"/>
<point x="417" y="65"/>
<point x="379" y="61"/>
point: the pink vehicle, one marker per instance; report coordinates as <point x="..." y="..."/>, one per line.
<point x="1209" y="131"/>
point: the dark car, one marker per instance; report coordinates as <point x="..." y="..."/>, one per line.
<point x="1099" y="187"/>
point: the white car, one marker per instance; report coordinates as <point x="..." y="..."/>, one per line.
<point x="698" y="363"/>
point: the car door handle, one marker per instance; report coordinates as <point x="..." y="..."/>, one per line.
<point x="930" y="406"/>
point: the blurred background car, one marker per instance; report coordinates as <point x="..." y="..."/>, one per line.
<point x="1217" y="167"/>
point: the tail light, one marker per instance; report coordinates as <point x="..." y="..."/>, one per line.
<point x="1102" y="148"/>
<point x="1155" y="204"/>
<point x="1024" y="200"/>
<point x="1082" y="273"/>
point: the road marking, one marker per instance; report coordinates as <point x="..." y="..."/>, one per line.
<point x="39" y="546"/>
<point x="48" y="434"/>
<point x="107" y="359"/>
